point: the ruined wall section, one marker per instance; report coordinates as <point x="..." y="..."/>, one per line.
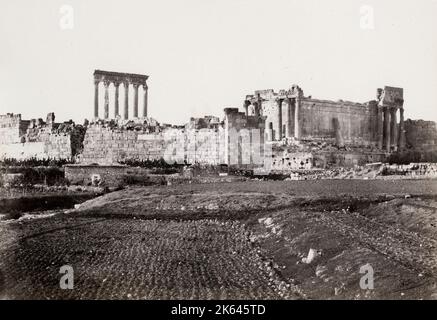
<point x="285" y="160"/>
<point x="348" y="159"/>
<point x="205" y="146"/>
<point x="244" y="138"/>
<point x="11" y="128"/>
<point x="232" y="142"/>
<point x="357" y="122"/>
<point x="57" y="146"/>
<point x="104" y="145"/>
<point x="107" y="146"/>
<point x="23" y="139"/>
<point x="421" y="135"/>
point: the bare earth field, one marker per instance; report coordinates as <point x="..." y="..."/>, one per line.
<point x="246" y="240"/>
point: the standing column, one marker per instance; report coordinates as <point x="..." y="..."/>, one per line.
<point x="380" y="128"/>
<point x="279" y="119"/>
<point x="136" y="100"/>
<point x="246" y="107"/>
<point x="146" y="94"/>
<point x="126" y="100"/>
<point x="290" y="116"/>
<point x="270" y="132"/>
<point x="116" y="105"/>
<point x="387" y="129"/>
<point x="288" y="122"/>
<point x="401" y="142"/>
<point x="256" y="107"/>
<point x="292" y="102"/>
<point x="259" y="105"/>
<point x="296" y="119"/>
<point x="393" y="125"/>
<point x="106" y="84"/>
<point x="96" y="98"/>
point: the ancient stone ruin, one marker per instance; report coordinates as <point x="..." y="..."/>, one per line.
<point x="35" y="138"/>
<point x="116" y="78"/>
<point x="291" y="115"/>
<point x="285" y="130"/>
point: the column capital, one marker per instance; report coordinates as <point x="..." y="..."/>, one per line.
<point x="145" y="86"/>
<point x="126" y="84"/>
<point x="135" y="85"/>
<point x="116" y="84"/>
<point x="106" y="83"/>
<point x="96" y="82"/>
<point x="279" y="100"/>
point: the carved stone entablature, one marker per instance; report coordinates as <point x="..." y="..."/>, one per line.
<point x="118" y="77"/>
<point x="294" y="92"/>
<point x="265" y="92"/>
<point x="390" y="97"/>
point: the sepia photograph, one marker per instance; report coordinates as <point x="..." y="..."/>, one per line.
<point x="230" y="151"/>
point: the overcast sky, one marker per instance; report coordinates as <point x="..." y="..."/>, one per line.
<point x="204" y="55"/>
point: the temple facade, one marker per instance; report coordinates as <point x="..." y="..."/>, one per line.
<point x="293" y="116"/>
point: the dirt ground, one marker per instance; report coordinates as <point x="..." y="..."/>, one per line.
<point x="235" y="240"/>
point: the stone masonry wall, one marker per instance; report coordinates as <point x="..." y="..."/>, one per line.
<point x="233" y="142"/>
<point x="23" y="139"/>
<point x="58" y="146"/>
<point x="110" y="146"/>
<point x="50" y="146"/>
<point x="357" y="122"/>
<point x="22" y="151"/>
<point x="244" y="139"/>
<point x="284" y="160"/>
<point x="421" y="134"/>
<point x="346" y="158"/>
<point x="10" y="128"/>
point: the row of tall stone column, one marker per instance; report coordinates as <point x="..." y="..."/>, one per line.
<point x="391" y="137"/>
<point x="106" y="84"/>
<point x="116" y="78"/>
<point x="291" y="120"/>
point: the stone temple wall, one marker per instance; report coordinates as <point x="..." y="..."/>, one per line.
<point x="284" y="160"/>
<point x="233" y="142"/>
<point x="348" y="159"/>
<point x="108" y="146"/>
<point x="292" y="115"/>
<point x="357" y="122"/>
<point x="421" y="135"/>
<point x="10" y="128"/>
<point x="244" y="139"/>
<point x="50" y="146"/>
<point x="24" y="139"/>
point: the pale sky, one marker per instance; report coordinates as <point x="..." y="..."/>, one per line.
<point x="204" y="55"/>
